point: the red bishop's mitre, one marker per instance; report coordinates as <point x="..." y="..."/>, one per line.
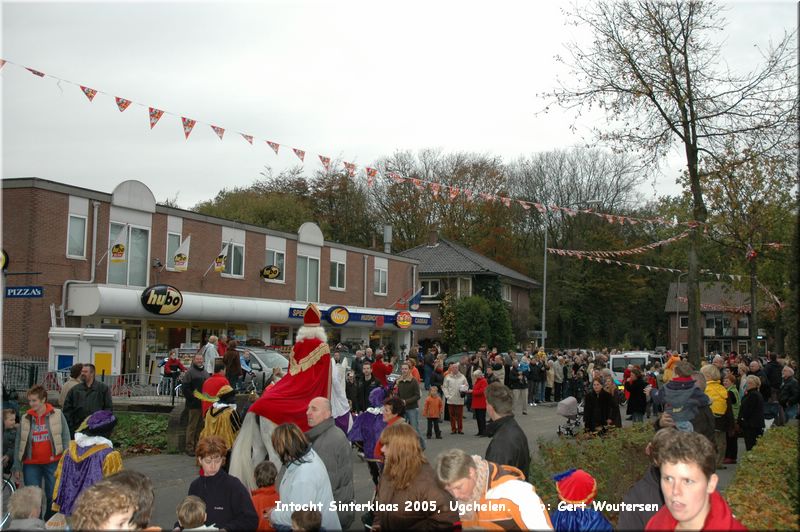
<point x="312" y="317"/>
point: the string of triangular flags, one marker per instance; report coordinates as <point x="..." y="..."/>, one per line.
<point x="741" y="309"/>
<point x="625" y="252"/>
<point x="603" y="260"/>
<point x="436" y="189"/>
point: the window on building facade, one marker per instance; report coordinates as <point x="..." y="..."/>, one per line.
<point x="430" y="288"/>
<point x="277" y="258"/>
<point x="337" y="275"/>
<point x="307" y="279"/>
<point x="76" y="237"/>
<point x="742" y="323"/>
<point x="381" y="282"/>
<point x="173" y="243"/>
<point x="505" y="292"/>
<point x="684" y="322"/>
<point x="133" y="271"/>
<point x="234" y="263"/>
<point x="464" y="287"/>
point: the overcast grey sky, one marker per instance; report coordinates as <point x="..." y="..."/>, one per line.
<point x="353" y="80"/>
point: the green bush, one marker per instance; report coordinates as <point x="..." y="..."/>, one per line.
<point x="617" y="461"/>
<point x="765" y="493"/>
<point x="140" y="433"/>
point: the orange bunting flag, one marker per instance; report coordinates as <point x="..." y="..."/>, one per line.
<point x="435" y="188"/>
<point x="506" y="201"/>
<point x="274" y="146"/>
<point x="525" y="205"/>
<point x="453" y="193"/>
<point x="541" y="208"/>
<point x="248" y="138"/>
<point x="397" y="177"/>
<point x="122" y="103"/>
<point x="2" y="63"/>
<point x="351" y="168"/>
<point x="468" y="195"/>
<point x="90" y="93"/>
<point x="155" y="116"/>
<point x="35" y="72"/>
<point x="371" y="173"/>
<point x="326" y="162"/>
<point x="300" y="154"/>
<point x="220" y="131"/>
<point x="188" y="125"/>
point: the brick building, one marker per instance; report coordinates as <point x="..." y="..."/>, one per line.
<point x="58" y="236"/>
<point x="445" y="265"/>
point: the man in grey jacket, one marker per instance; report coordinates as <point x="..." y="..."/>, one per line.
<point x="331" y="444"/>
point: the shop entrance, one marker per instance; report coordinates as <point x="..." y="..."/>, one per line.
<point x="130" y="349"/>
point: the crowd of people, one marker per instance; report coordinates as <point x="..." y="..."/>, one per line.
<point x="699" y="413"/>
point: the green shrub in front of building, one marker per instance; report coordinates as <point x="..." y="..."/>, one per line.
<point x="765" y="493"/>
<point x="616" y="460"/>
<point x="140" y="433"/>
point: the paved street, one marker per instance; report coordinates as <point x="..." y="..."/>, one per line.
<point x="172" y="474"/>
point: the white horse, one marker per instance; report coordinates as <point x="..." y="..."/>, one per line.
<point x="254" y="442"/>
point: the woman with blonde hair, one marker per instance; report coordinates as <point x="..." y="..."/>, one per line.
<point x="409" y="495"/>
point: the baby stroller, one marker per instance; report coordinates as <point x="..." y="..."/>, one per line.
<point x="570" y="409"/>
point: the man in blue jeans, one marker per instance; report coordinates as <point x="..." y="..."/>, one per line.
<point x="408" y="392"/>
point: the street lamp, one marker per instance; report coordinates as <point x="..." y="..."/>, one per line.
<point x="544" y="273"/>
<point x="677" y="312"/>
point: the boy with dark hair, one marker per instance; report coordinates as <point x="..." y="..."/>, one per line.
<point x="265" y="496"/>
<point x="687" y="461"/>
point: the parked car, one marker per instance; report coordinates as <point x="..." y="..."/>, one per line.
<point x="261" y="362"/>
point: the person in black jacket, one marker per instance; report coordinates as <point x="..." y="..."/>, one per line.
<point x="86" y="398"/>
<point x="637" y="401"/>
<point x="597" y="407"/>
<point x="772" y="370"/>
<point x="228" y="503"/>
<point x="751" y="413"/>
<point x="536" y="380"/>
<point x="192" y="381"/>
<point x="646" y="491"/>
<point x="519" y="386"/>
<point x="509" y="445"/>
<point x="364" y="385"/>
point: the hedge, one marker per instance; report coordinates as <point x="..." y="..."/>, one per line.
<point x="617" y="461"/>
<point x="140" y="433"/>
<point x="765" y="493"/>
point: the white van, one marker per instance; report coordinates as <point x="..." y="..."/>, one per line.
<point x="618" y="362"/>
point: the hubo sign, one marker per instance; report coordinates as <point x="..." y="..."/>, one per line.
<point x="162" y="299"/>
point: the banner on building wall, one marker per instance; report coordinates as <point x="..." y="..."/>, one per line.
<point x="181" y="257"/>
<point x="119" y="248"/>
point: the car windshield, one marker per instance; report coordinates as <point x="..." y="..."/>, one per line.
<point x="618" y="365"/>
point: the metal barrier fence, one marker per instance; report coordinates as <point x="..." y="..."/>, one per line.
<point x="20" y="375"/>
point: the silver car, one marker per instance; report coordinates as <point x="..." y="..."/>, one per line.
<point x="261" y="363"/>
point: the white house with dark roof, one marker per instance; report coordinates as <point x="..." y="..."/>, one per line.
<point x="445" y="265"/>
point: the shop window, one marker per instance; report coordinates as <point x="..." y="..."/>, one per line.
<point x="430" y="288"/>
<point x="134" y="270"/>
<point x="76" y="237"/>
<point x="337" y="275"/>
<point x="173" y="243"/>
<point x="234" y="263"/>
<point x="381" y="282"/>
<point x="307" y="279"/>
<point x="277" y="258"/>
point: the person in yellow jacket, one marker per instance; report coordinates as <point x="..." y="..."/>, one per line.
<point x="669" y="367"/>
<point x="721" y="408"/>
<point x="89" y="458"/>
<point x="221" y="419"/>
<point x="491" y="496"/>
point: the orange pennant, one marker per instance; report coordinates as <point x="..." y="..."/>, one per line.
<point x="220" y="131"/>
<point x="300" y="154"/>
<point x="351" y="168"/>
<point x="35" y="72"/>
<point x="122" y="103"/>
<point x="248" y="138"/>
<point x="274" y="146"/>
<point x="188" y="125"/>
<point x="155" y="116"/>
<point x="90" y="93"/>
<point x="326" y="162"/>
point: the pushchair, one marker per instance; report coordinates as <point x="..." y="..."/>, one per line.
<point x="573" y="411"/>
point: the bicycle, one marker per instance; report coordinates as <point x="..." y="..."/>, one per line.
<point x="8" y="488"/>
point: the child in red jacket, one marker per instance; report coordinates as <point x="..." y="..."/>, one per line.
<point x="265" y="496"/>
<point x="432" y="410"/>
